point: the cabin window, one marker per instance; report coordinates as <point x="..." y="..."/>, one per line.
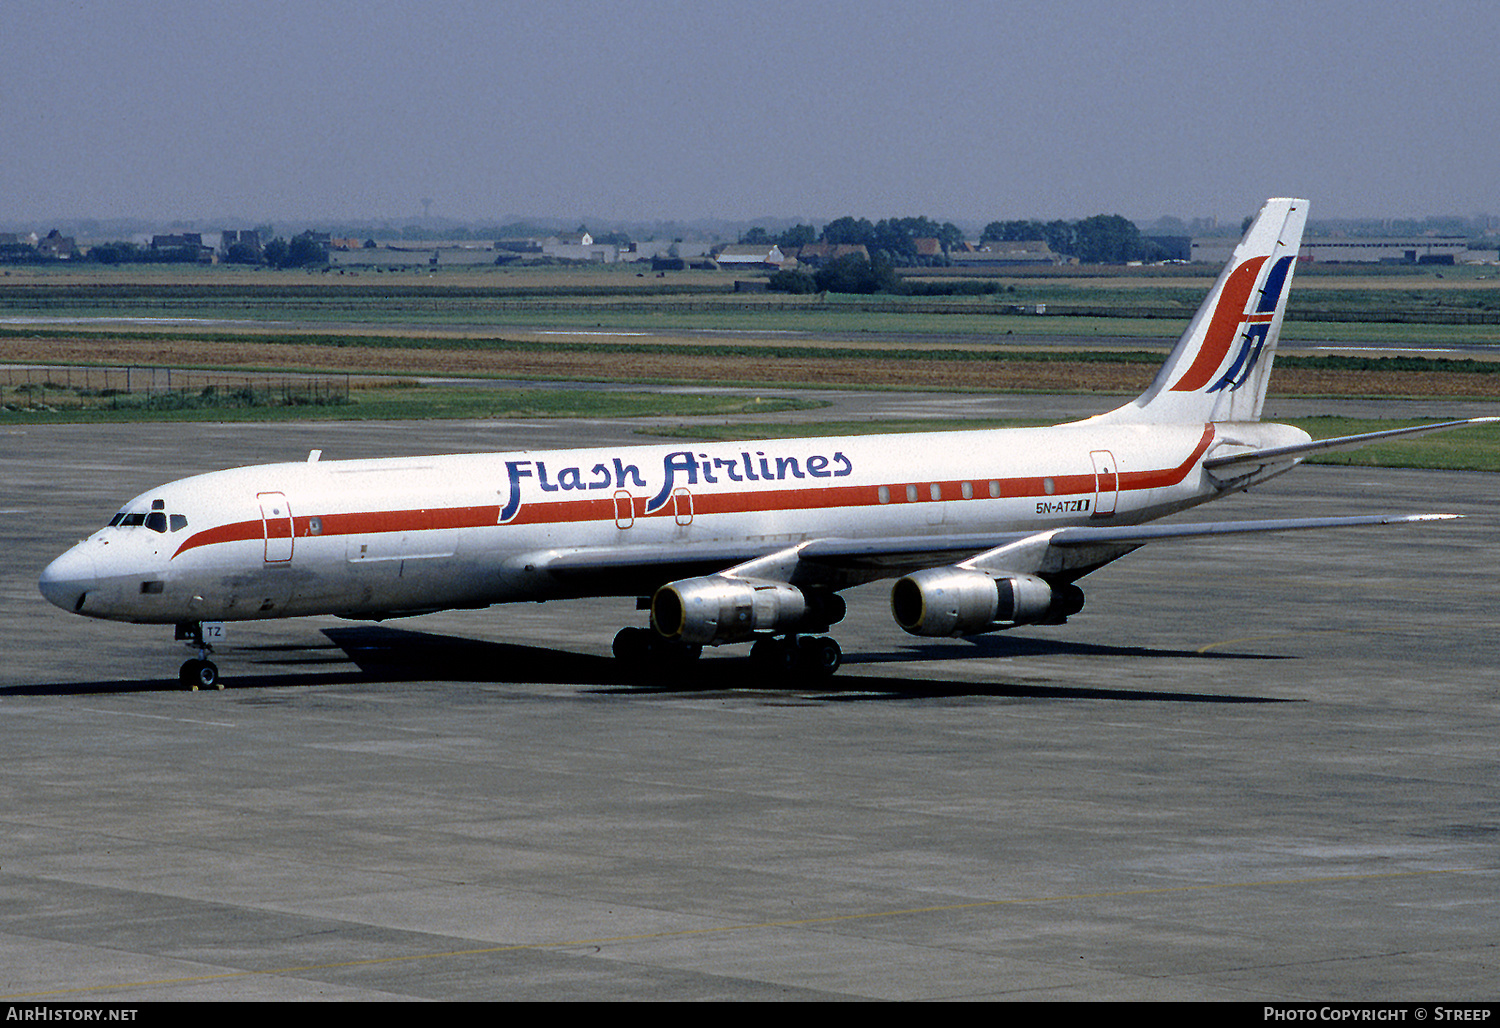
<point x="314" y="526"/>
<point x="935" y="491"/>
<point x="967" y="490"/>
<point x="911" y="494"/>
<point x="994" y="490"/>
<point x="884" y="494"/>
<point x="1049" y="486"/>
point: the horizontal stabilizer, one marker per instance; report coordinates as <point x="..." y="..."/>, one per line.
<point x="1298" y="451"/>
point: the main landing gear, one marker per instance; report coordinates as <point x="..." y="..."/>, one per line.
<point x="200" y="672"/>
<point x="643" y="649"/>
<point x="813" y="656"/>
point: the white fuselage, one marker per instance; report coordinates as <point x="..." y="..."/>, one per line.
<point x="373" y="538"/>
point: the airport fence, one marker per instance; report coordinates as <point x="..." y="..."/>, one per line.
<point x="150" y="387"/>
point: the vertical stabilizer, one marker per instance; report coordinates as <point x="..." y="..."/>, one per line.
<point x="1219" y="368"/>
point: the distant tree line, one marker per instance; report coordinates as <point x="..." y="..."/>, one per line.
<point x="892" y="240"/>
<point x="299" y="252"/>
<point x="892" y="243"/>
<point x="1101" y="239"/>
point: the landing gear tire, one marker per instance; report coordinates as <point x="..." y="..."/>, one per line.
<point x="806" y="657"/>
<point x="642" y="649"/>
<point x="819" y="657"/>
<point x="773" y="656"/>
<point x="632" y="646"/>
<point x="200" y="674"/>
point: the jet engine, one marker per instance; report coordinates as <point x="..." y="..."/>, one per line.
<point x="964" y="601"/>
<point x="718" y="609"/>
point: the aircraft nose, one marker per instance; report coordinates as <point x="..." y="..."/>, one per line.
<point x="68" y="579"/>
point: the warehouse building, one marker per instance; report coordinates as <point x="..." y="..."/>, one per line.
<point x="1352" y="250"/>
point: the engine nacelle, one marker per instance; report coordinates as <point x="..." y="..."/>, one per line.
<point x="964" y="601"/>
<point x="718" y="609"/>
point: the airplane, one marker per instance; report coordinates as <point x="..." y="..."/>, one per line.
<point x="735" y="542"/>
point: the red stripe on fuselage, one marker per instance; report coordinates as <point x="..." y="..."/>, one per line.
<point x="602" y="508"/>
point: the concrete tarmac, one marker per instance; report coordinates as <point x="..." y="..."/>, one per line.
<point x="1259" y="769"/>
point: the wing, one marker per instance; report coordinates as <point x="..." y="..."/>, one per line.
<point x="840" y="563"/>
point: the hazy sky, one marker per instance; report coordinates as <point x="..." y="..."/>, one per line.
<point x="960" y="110"/>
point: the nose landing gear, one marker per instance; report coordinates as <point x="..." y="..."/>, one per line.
<point x="200" y="672"/>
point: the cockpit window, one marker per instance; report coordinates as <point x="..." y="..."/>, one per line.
<point x="157" y="520"/>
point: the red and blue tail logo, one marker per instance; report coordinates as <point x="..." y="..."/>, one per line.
<point x="1220" y="366"/>
<point x="1233" y="319"/>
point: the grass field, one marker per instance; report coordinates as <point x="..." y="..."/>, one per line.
<point x="1413" y="306"/>
<point x="617" y="324"/>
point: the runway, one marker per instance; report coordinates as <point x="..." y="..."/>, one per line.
<point x="1252" y="770"/>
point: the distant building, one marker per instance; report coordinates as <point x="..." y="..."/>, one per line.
<point x="1351" y="250"/>
<point x="1006" y="253"/>
<point x="579" y="246"/>
<point x="189" y="241"/>
<point x="522" y="246"/>
<point x="57" y="246"/>
<point x="817" y="254"/>
<point x="232" y="237"/>
<point x="655" y="249"/>
<point x="750" y="255"/>
<point x="18" y="247"/>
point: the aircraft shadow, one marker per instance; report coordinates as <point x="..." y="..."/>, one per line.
<point x="391" y="654"/>
<point x="1000" y="646"/>
<point x="384" y="654"/>
<point x="120" y="686"/>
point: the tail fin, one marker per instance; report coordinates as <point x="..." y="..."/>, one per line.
<point x="1219" y="368"/>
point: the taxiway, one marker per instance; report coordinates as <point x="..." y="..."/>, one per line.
<point x="1260" y="769"/>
